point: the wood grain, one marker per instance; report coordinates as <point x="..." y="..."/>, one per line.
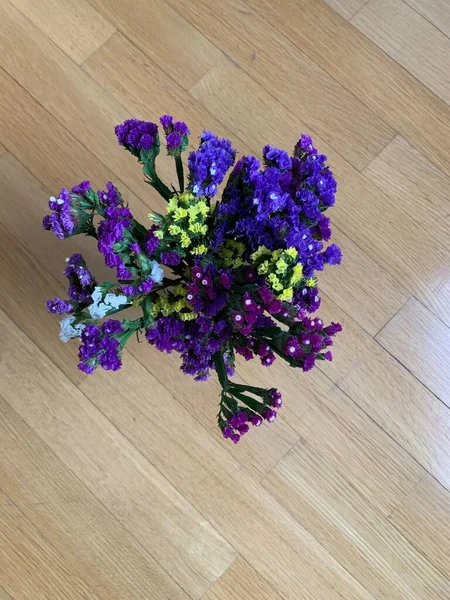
<point x="94" y="546"/>
<point x="134" y="491"/>
<point x="423" y="520"/>
<point x="365" y="70"/>
<point x="415" y="185"/>
<point x="346" y="8"/>
<point x="119" y="486"/>
<point x="74" y="26"/>
<point x="410" y="40"/>
<point x="436" y="12"/>
<point x="420" y="341"/>
<point x="373" y="551"/>
<point x="241" y="580"/>
<point x="391" y="396"/>
<point x="291" y="77"/>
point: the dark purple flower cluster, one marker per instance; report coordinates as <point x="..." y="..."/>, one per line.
<point x="238" y="424"/>
<point x="197" y="341"/>
<point x="176" y="135"/>
<point x="209" y="164"/>
<point x="208" y="290"/>
<point x="137" y="135"/>
<point x="81" y="280"/>
<point x="110" y="196"/>
<point x="101" y="346"/>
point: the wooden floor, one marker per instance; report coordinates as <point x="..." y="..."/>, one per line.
<point x="118" y="486"/>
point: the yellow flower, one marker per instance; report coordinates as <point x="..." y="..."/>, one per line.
<point x="281" y="266"/>
<point x="180" y="213"/>
<point x="159" y="233"/>
<point x="275" y="282"/>
<point x="190" y="316"/>
<point x="203" y="208"/>
<point x="286" y="294"/>
<point x="198" y="228"/>
<point x="180" y="290"/>
<point x="292" y="252"/>
<point x="311" y="282"/>
<point x="185" y="240"/>
<point x="202" y="249"/>
<point x="262" y="250"/>
<point x="172" y="205"/>
<point x="263" y="267"/>
<point x="297" y="272"/>
<point x="174" y="230"/>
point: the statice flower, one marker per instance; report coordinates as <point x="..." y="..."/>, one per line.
<point x="209" y="164"/>
<point x="137" y="135"/>
<point x="101" y="346"/>
<point x="215" y="282"/>
<point x="70" y="214"/>
<point x="102" y="304"/>
<point x="176" y="133"/>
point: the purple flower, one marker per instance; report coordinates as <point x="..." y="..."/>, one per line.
<point x="137" y="135"/>
<point x="270" y="415"/>
<point x="59" y="306"/>
<point x="333" y="255"/>
<point x="170" y="258"/>
<point x="112" y="326"/>
<point x="209" y="164"/>
<point x="151" y="242"/>
<point x="173" y="141"/>
<point x="276" y="399"/>
<point x="292" y="348"/>
<point x="277" y="158"/>
<point x="110" y="196"/>
<point x="256" y="420"/>
<point x="68" y="216"/>
<point x="308" y="362"/>
<point x="146" y="286"/>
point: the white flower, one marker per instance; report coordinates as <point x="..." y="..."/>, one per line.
<point x="68" y="331"/>
<point x="101" y="306"/>
<point x="157" y="273"/>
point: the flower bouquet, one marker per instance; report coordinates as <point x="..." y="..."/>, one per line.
<point x="212" y="279"/>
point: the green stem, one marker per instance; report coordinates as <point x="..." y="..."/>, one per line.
<point x="155" y="181"/>
<point x="180" y="172"/>
<point x="221" y="370"/>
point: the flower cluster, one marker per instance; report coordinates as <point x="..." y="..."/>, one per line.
<point x="213" y="280"/>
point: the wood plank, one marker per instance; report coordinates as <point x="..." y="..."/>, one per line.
<point x="159" y="31"/>
<point x="150" y="508"/>
<point x="3" y="150"/>
<point x="137" y="83"/>
<point x="367" y="216"/>
<point x="363" y="541"/>
<point x="420" y="342"/>
<point x="25" y="278"/>
<point x="94" y="546"/>
<point x="75" y="27"/>
<point x="30" y="568"/>
<point x="4" y="595"/>
<point x="415" y="185"/>
<point x="423" y="520"/>
<point x="291" y="77"/>
<point x="435" y="11"/>
<point x="49" y="151"/>
<point x="346" y="8"/>
<point x="241" y="581"/>
<point x="71" y="97"/>
<point x="141" y="499"/>
<point x="366" y="71"/>
<point x="178" y="402"/>
<point x="410" y="40"/>
<point x="390" y="395"/>
<point x="350" y="442"/>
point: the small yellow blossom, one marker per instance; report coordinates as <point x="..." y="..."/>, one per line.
<point x="202" y="249"/>
<point x="297" y="272"/>
<point x="311" y="282"/>
<point x="281" y="266"/>
<point x="292" y="252"/>
<point x="286" y="295"/>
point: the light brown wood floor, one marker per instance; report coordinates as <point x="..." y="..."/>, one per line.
<point x="118" y="486"/>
